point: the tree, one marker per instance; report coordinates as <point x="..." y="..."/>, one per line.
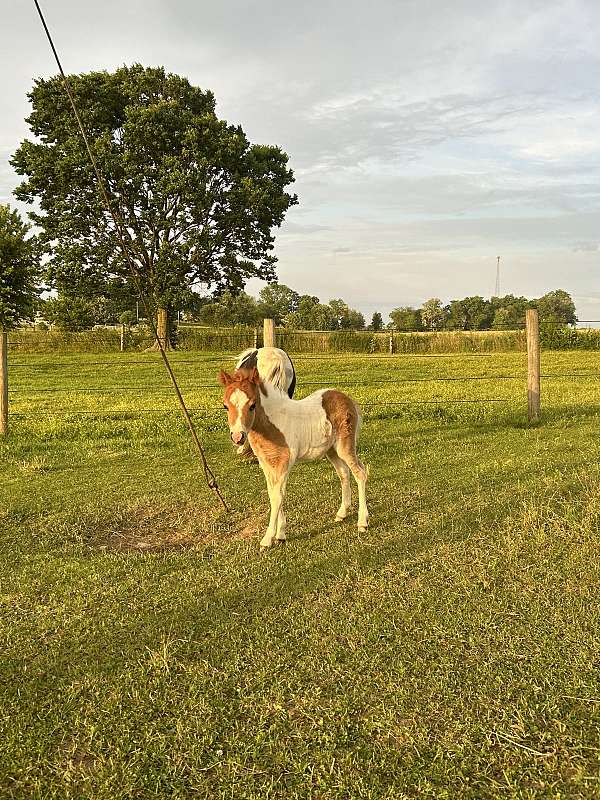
<point x="406" y="318"/>
<point x="197" y="201"/>
<point x="509" y="311"/>
<point x="556" y="306"/>
<point x="469" y="314"/>
<point x="311" y="315"/>
<point x="376" y="322"/>
<point x="345" y="318"/>
<point x="230" y="309"/>
<point x="433" y="314"/>
<point x="19" y="263"/>
<point x="276" y="301"/>
<point x="354" y="320"/>
<point x="70" y="313"/>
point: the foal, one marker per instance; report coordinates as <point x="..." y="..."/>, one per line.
<point x="282" y="431"/>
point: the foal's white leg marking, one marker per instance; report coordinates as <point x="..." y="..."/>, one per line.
<point x="276" y="529"/>
<point x="360" y="475"/>
<point x="281" y="522"/>
<point x="343" y="472"/>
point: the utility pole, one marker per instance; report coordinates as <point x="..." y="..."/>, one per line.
<point x="497" y="290"/>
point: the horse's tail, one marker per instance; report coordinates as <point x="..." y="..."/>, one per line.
<point x="292" y="385"/>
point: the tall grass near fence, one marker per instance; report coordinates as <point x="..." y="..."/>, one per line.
<point x="217" y="339"/>
<point x="191" y="337"/>
<point x="104" y="340"/>
<point x="557" y="337"/>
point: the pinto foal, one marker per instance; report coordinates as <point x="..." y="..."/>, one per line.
<point x="282" y="431"/>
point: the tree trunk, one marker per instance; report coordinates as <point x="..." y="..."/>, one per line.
<point x="163" y="328"/>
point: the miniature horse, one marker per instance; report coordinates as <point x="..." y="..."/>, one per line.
<point x="282" y="431"/>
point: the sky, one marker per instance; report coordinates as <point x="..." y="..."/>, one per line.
<point x="427" y="137"/>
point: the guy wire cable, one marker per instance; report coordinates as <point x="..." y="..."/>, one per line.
<point x="125" y="244"/>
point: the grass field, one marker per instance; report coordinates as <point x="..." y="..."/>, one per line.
<point x="453" y="651"/>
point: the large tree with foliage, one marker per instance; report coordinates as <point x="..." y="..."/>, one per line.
<point x="406" y="318"/>
<point x="556" y="306"/>
<point x="433" y="314"/>
<point x="310" y="315"/>
<point x="470" y="314"/>
<point x="229" y="309"/>
<point x="18" y="270"/>
<point x="344" y="317"/>
<point x="276" y="301"/>
<point x="70" y="313"/>
<point x="509" y="311"/>
<point x="198" y="202"/>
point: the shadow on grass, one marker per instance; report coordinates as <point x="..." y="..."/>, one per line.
<point x="261" y="588"/>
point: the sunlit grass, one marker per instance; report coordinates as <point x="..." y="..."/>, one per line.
<point x="450" y="652"/>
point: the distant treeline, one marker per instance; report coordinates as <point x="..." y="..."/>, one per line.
<point x="477" y="314"/>
<point x="292" y="310"/>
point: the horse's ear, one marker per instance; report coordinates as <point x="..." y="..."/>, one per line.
<point x="254" y="376"/>
<point x="225" y="378"/>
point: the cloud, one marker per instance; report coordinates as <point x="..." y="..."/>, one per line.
<point x="297" y="228"/>
<point x="426" y="138"/>
<point x="586" y="247"/>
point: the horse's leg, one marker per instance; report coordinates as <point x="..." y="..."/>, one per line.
<point x="276" y="483"/>
<point x="281" y="523"/>
<point x="343" y="473"/>
<point x="347" y="451"/>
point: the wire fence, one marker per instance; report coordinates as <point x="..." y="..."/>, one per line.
<point x="153" y="389"/>
<point x="34" y="394"/>
<point x="510" y="338"/>
<point x="339" y="382"/>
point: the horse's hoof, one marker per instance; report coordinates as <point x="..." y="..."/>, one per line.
<point x="279" y="542"/>
<point x="363" y="528"/>
<point x="339" y="519"/>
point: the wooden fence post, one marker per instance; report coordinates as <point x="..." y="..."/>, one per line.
<point x="3" y="383"/>
<point x="391" y="343"/>
<point x="122" y="337"/>
<point x="532" y="322"/>
<point x="268" y="333"/>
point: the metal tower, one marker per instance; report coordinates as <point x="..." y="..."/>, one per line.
<point x="497" y="290"/>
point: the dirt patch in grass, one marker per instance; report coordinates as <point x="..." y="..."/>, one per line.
<point x="150" y="526"/>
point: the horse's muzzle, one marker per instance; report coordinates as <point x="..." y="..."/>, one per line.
<point x="238" y="438"/>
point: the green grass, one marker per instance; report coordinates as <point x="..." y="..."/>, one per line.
<point x="450" y="652"/>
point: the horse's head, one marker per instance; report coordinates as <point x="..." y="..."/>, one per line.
<point x="241" y="396"/>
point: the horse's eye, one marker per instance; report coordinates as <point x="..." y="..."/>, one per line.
<point x="252" y="406"/>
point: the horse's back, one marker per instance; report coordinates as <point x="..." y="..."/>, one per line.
<point x="273" y="364"/>
<point x="315" y="423"/>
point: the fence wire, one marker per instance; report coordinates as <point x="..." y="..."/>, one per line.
<point x="153" y="389"/>
<point x="339" y="382"/>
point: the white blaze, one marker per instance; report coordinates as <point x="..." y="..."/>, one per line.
<point x="238" y="399"/>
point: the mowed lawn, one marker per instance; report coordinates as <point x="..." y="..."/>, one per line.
<point x="453" y="651"/>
